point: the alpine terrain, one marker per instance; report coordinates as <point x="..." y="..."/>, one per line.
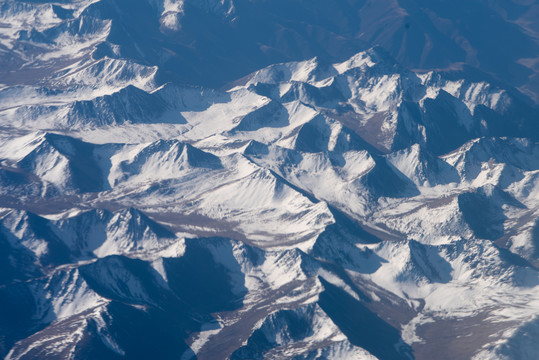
<point x="269" y="179"/>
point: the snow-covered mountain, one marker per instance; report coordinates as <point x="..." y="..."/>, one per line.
<point x="337" y="206"/>
<point x="213" y="42"/>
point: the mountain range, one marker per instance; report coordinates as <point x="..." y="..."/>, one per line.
<point x="269" y="179"/>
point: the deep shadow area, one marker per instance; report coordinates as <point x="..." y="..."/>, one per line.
<point x="16" y="262"/>
<point x="429" y="262"/>
<point x="334" y="246"/>
<point x="386" y="181"/>
<point x="362" y="327"/>
<point x="443" y="123"/>
<point x="482" y="210"/>
<point x="204" y="283"/>
<point x="155" y="334"/>
<point x="127" y="280"/>
<point x="17" y="311"/>
<point x="292" y="326"/>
